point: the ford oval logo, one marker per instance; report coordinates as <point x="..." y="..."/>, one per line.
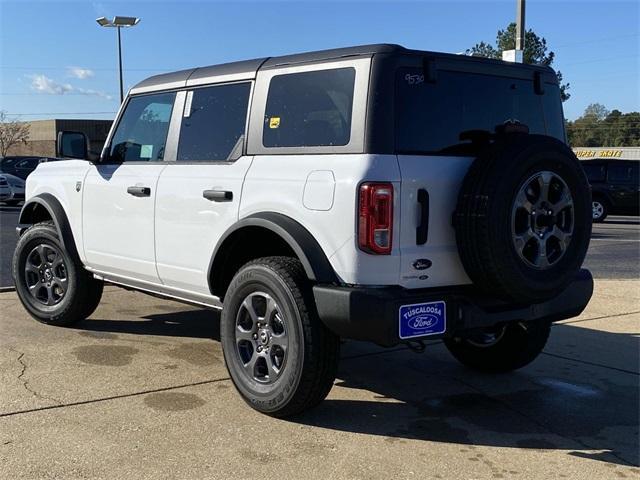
<point x="422" y="264"/>
<point x="423" y="321"/>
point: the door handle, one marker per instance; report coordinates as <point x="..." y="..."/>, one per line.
<point x="139" y="191"/>
<point x="218" y="195"/>
<point x="422" y="232"/>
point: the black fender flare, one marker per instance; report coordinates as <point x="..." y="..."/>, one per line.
<point x="57" y="213"/>
<point x="314" y="261"/>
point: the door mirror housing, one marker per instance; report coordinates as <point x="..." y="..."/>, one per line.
<point x="72" y="145"/>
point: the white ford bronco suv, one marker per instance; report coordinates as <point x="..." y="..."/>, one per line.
<point x="373" y="193"/>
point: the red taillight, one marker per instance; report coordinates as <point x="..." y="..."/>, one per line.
<point x="375" y="218"/>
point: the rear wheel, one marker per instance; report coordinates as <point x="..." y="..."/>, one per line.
<point x="54" y="288"/>
<point x="501" y="349"/>
<point x="280" y="356"/>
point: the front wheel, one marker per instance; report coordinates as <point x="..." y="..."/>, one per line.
<point x="502" y="348"/>
<point x="54" y="288"/>
<point x="280" y="356"/>
<point x="600" y="210"/>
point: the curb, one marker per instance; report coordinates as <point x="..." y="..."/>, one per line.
<point x="7" y="289"/>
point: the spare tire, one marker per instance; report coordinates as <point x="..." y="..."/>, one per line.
<point x="523" y="218"/>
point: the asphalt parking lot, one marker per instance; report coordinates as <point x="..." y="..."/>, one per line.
<point x="140" y="390"/>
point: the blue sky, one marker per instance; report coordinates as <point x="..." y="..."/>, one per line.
<point x="56" y="62"/>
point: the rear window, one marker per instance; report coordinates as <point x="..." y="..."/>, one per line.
<point x="309" y="109"/>
<point x="433" y="117"/>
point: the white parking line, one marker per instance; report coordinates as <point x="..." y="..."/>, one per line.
<point x="632" y="240"/>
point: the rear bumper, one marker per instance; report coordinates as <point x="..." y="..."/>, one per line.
<point x="372" y="314"/>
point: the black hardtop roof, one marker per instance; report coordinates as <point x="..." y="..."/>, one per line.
<point x="252" y="66"/>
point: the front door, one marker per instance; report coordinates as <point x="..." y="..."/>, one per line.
<point x="119" y="194"/>
<point x="199" y="194"/>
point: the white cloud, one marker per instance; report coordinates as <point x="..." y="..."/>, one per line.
<point x="43" y="84"/>
<point x="81" y="73"/>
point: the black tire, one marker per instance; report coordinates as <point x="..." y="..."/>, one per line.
<point x="310" y="365"/>
<point x="600" y="209"/>
<point x="518" y="345"/>
<point x="485" y="211"/>
<point x="81" y="294"/>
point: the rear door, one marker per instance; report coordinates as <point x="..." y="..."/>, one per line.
<point x="623" y="184"/>
<point x="199" y="194"/>
<point x="119" y="194"/>
<point x="440" y="122"/>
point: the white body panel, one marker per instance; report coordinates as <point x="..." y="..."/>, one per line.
<point x="279" y="183"/>
<point x="188" y="226"/>
<point x="60" y="180"/>
<point x="118" y="227"/>
<point x="442" y="178"/>
<point x="168" y="238"/>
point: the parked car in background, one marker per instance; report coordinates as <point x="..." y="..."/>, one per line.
<point x="615" y="187"/>
<point x="22" y="166"/>
<point x="5" y="189"/>
<point x="15" y="189"/>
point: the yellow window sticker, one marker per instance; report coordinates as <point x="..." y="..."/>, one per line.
<point x="274" y="122"/>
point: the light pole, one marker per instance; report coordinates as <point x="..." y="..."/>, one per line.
<point x="118" y="23"/>
<point x="517" y="54"/>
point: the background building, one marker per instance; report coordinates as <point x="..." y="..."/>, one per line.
<point x="43" y="134"/>
<point x="620" y="153"/>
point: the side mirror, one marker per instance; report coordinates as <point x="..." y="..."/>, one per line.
<point x="72" y="145"/>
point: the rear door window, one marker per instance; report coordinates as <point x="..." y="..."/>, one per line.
<point x="213" y="122"/>
<point x="309" y="109"/>
<point x="436" y="117"/>
<point x="595" y="173"/>
<point x="141" y="134"/>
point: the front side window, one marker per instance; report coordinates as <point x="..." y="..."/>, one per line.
<point x="141" y="134"/>
<point x="445" y="116"/>
<point x="213" y="122"/>
<point x="309" y="109"/>
<point x="623" y="174"/>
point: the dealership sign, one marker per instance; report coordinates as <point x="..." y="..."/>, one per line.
<point x="610" y="153"/>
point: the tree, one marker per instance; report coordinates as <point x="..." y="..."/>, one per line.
<point x="535" y="51"/>
<point x="12" y="132"/>
<point x="599" y="127"/>
<point x="597" y="111"/>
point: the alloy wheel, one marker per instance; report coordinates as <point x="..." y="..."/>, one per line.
<point x="261" y="338"/>
<point x="46" y="274"/>
<point x="542" y="220"/>
<point x="597" y="209"/>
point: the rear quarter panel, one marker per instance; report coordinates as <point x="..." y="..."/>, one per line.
<point x="300" y="187"/>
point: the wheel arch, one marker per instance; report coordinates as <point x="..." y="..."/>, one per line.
<point x="46" y="207"/>
<point x="266" y="234"/>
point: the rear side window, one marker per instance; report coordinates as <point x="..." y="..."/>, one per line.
<point x="141" y="134"/>
<point x="436" y="117"/>
<point x="595" y="173"/>
<point x="309" y="109"/>
<point x="623" y="173"/>
<point x="213" y="122"/>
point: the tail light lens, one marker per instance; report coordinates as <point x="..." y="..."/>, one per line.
<point x="375" y="218"/>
